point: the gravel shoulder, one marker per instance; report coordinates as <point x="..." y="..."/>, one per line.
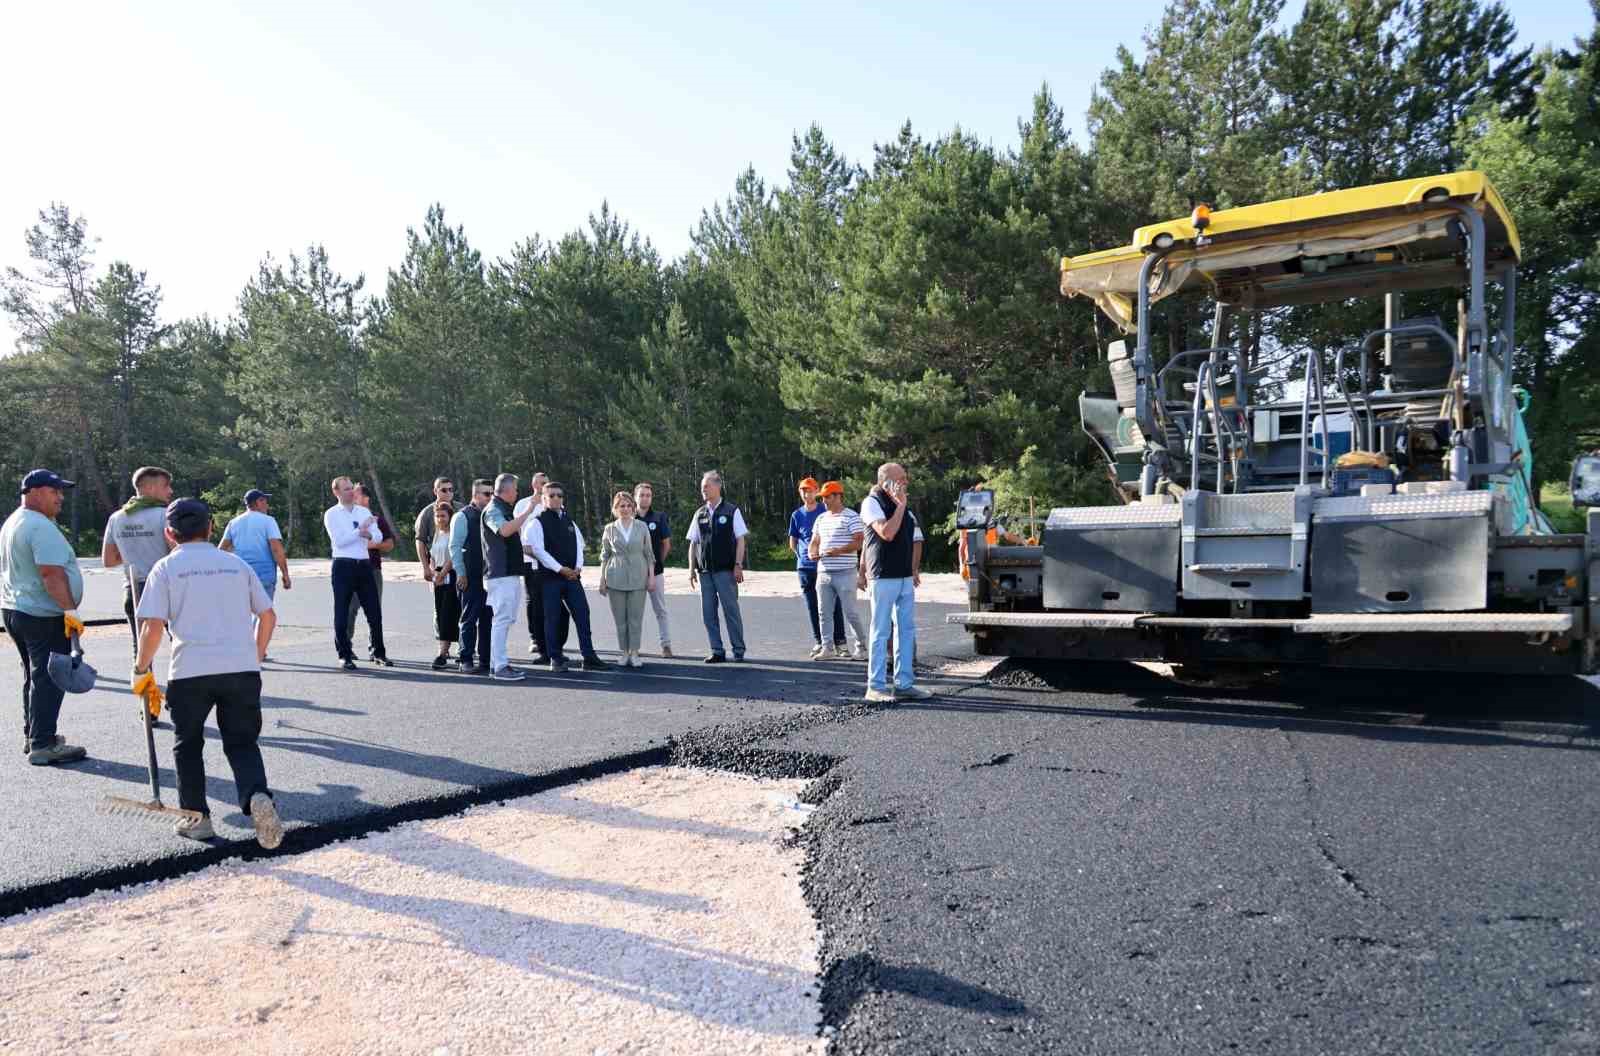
<point x="653" y="911"/>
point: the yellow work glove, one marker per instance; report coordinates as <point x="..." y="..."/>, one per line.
<point x="71" y="624"/>
<point x="145" y="686"/>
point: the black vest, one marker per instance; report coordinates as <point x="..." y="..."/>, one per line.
<point x="560" y="538"/>
<point x="890" y="560"/>
<point x="472" y="556"/>
<point x="502" y="554"/>
<point x="718" y="546"/>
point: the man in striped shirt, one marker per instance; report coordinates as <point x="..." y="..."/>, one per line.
<point x="836" y="538"/>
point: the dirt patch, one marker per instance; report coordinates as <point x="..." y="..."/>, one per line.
<point x="653" y="911"/>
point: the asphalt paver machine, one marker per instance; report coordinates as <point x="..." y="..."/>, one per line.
<point x="1364" y="502"/>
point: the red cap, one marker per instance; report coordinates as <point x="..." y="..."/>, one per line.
<point x="809" y="482"/>
<point x="832" y="487"/>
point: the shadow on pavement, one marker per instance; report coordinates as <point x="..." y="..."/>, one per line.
<point x="1395" y="706"/>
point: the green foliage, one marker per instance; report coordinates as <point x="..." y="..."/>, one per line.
<point x="906" y="309"/>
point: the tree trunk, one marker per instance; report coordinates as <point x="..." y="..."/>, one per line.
<point x="377" y="482"/>
<point x="294" y="512"/>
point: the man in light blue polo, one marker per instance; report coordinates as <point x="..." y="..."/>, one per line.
<point x="255" y="537"/>
<point x="40" y="588"/>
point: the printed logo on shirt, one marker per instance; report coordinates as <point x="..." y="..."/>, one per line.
<point x="652" y="526"/>
<point x="723" y="519"/>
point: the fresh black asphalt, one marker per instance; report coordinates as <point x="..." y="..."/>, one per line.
<point x="1056" y="859"/>
<point x="1104" y="862"/>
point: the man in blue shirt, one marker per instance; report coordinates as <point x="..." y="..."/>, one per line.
<point x="255" y="537"/>
<point x="40" y="588"/>
<point x="801" y="522"/>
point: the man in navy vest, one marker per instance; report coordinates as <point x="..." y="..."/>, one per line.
<point x="466" y="553"/>
<point x="891" y="570"/>
<point x="716" y="564"/>
<point x="556" y="544"/>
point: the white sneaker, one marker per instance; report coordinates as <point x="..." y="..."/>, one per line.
<point x="880" y="696"/>
<point x="198" y="829"/>
<point x="264" y="816"/>
<point x="857" y="653"/>
<point x="819" y="652"/>
<point x="634" y="661"/>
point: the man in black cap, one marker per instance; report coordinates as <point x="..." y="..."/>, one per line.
<point x="40" y="588"/>
<point x="221" y="621"/>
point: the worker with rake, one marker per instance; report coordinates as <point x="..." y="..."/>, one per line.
<point x="221" y="621"/>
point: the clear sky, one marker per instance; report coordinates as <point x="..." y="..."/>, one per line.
<point x="197" y="137"/>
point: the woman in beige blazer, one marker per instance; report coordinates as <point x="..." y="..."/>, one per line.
<point x="627" y="572"/>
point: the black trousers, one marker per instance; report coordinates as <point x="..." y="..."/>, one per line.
<point x="354" y="579"/>
<point x="446" y="609"/>
<point x="127" y="610"/>
<point x="476" y="618"/>
<point x="36" y="637"/>
<point x="237" y="698"/>
<point x="560" y="595"/>
<point x="533" y="581"/>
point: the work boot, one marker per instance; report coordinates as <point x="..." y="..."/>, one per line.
<point x="59" y="751"/>
<point x="196" y="828"/>
<point x="27" y="742"/>
<point x="264" y="816"/>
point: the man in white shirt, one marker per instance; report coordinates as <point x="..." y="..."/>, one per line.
<point x="836" y="538"/>
<point x="534" y="579"/>
<point x="221" y="621"/>
<point x="556" y="544"/>
<point x="352" y="534"/>
<point x="716" y="565"/>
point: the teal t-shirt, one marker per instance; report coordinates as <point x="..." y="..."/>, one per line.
<point x="28" y="540"/>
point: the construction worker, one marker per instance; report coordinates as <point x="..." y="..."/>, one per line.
<point x="136" y="532"/>
<point x="40" y="588"/>
<point x="221" y="620"/>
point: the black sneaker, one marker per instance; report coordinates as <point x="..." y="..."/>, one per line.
<point x="593" y="663"/>
<point x="440" y="663"/>
<point x="557" y="665"/>
<point x="466" y="666"/>
<point x="481" y="669"/>
<point x="349" y="663"/>
<point x="382" y="661"/>
<point x="738" y="658"/>
<point x="715" y="658"/>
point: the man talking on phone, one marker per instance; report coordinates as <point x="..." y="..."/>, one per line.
<point x="891" y="569"/>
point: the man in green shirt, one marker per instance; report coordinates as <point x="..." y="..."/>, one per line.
<point x="40" y="588"/>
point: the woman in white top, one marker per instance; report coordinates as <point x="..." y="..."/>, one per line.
<point x="627" y="572"/>
<point x="446" y="602"/>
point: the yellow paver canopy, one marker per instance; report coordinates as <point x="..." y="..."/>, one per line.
<point x="1320" y="247"/>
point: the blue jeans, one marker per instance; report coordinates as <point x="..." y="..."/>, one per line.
<point x="475" y="621"/>
<point x="562" y="596"/>
<point x="718" y="587"/>
<point x="808" y="587"/>
<point x="892" y="600"/>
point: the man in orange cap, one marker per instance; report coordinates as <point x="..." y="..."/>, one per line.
<point x="801" y="522"/>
